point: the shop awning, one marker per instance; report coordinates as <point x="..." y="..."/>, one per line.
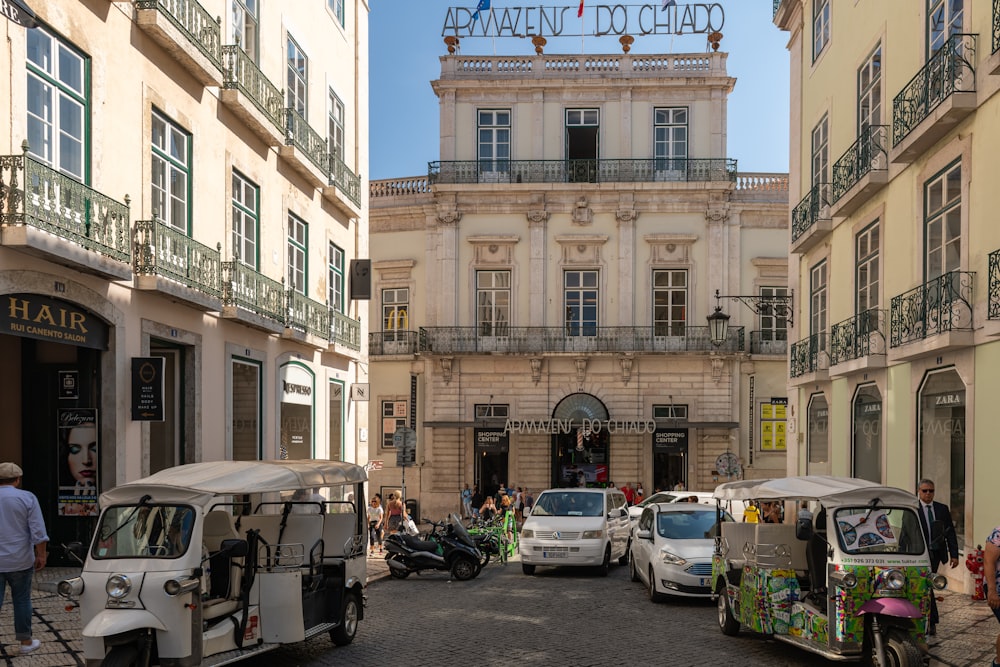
<point x="19" y="12"/>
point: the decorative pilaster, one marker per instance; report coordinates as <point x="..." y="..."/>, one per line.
<point x="446" y="365"/>
<point x="536" y="369"/>
<point x="539" y="217"/>
<point x="626" y="362"/>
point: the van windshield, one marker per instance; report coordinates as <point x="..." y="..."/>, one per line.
<point x="144" y="531"/>
<point x="569" y="503"/>
<point x="883" y="530"/>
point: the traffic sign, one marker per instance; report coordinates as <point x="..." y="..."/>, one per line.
<point x="405" y="441"/>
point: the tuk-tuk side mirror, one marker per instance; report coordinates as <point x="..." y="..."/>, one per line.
<point x="76" y="551"/>
<point x="803" y="529"/>
<point x="236" y="548"/>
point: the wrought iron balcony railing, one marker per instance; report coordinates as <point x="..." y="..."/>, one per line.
<point x="602" y="170"/>
<point x="245" y="288"/>
<point x="346" y="180"/>
<point x="996" y="26"/>
<point x="809" y="355"/>
<point x="194" y="21"/>
<point x="344" y="330"/>
<point x="35" y="195"/>
<point x="392" y="342"/>
<point x="869" y="153"/>
<point x="950" y="70"/>
<point x="777" y="6"/>
<point x="993" y="309"/>
<point x="772" y="341"/>
<point x="241" y="73"/>
<point x="814" y="206"/>
<point x="537" y="340"/>
<point x="301" y="135"/>
<point x="859" y="336"/>
<point x="307" y="315"/>
<point x="161" y="250"/>
<point x="938" y="306"/>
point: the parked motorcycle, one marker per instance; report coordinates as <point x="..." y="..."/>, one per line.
<point x="449" y="548"/>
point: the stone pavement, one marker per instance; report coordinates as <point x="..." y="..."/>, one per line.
<point x="966" y="634"/>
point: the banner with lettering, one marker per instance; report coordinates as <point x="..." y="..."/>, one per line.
<point x="78" y="461"/>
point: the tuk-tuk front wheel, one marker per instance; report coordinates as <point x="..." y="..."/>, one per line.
<point x="728" y="623"/>
<point x="343" y="634"/>
<point x="900" y="651"/>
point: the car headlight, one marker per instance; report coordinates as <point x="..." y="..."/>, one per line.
<point x="527" y="532"/>
<point x="118" y="586"/>
<point x="671" y="559"/>
<point x="69" y="588"/>
<point x="939" y="581"/>
<point x="593" y="534"/>
<point x="894" y="580"/>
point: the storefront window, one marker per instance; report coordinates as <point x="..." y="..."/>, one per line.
<point x="336" y="420"/>
<point x="818" y="416"/>
<point x="296" y="393"/>
<point x="246" y="410"/>
<point x="867" y="437"/>
<point x="942" y="441"/>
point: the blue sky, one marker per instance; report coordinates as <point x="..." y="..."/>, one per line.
<point x="406" y="42"/>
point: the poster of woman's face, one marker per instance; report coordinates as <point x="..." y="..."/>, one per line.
<point x="78" y="462"/>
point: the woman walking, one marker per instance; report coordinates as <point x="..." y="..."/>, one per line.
<point x="375" y="530"/>
<point x="396" y="514"/>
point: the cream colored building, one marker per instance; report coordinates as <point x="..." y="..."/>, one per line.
<point x="180" y="199"/>
<point x="540" y="297"/>
<point x="895" y="269"/>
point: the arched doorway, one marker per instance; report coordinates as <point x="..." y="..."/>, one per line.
<point x="581" y="453"/>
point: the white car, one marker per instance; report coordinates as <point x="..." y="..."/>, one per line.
<point x="671" y="550"/>
<point x="704" y="498"/>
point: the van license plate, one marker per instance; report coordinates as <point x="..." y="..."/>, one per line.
<point x="553" y="554"/>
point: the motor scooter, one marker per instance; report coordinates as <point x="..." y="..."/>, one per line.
<point x="450" y="549"/>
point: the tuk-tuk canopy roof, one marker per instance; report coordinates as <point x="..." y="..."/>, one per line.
<point x="829" y="491"/>
<point x="198" y="482"/>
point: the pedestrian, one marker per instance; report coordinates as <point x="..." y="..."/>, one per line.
<point x="771" y="511"/>
<point x="529" y="500"/>
<point x="991" y="582"/>
<point x="629" y="493"/>
<point x="375" y="529"/>
<point x="939" y="533"/>
<point x="466" y="503"/>
<point x="23" y="549"/>
<point x="519" y="504"/>
<point x="396" y="514"/>
<point x="639" y="494"/>
<point x="751" y="514"/>
<point x="489" y="509"/>
<point x="477" y="501"/>
<point x="805" y="513"/>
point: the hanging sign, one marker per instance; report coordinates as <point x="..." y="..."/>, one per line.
<point x="147" y="389"/>
<point x="18" y="12"/>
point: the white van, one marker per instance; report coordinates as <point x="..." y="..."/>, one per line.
<point x="575" y="527"/>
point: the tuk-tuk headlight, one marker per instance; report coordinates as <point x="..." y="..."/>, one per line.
<point x="118" y="586"/>
<point x="939" y="581"/>
<point x="69" y="588"/>
<point x="895" y="580"/>
<point x="844" y="579"/>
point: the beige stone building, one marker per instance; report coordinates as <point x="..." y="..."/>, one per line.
<point x="540" y="296"/>
<point x="894" y="246"/>
<point x="180" y="200"/>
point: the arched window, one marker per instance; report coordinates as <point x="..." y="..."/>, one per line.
<point x="866" y="440"/>
<point x="942" y="441"/>
<point x="818" y="416"/>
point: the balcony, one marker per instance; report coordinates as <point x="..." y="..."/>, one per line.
<point x="771" y="342"/>
<point x="44" y="213"/>
<point x="308" y="321"/>
<point x="858" y="343"/>
<point x="539" y="340"/>
<point x="344" y="188"/>
<point x="932" y="318"/>
<point x="392" y="343"/>
<point x="810" y="360"/>
<point x="252" y="298"/>
<point x="861" y="171"/>
<point x="993" y="306"/>
<point x="941" y="94"/>
<point x="345" y="331"/>
<point x="177" y="25"/>
<point x="993" y="62"/>
<point x="603" y="170"/>
<point x="174" y="264"/>
<point x="305" y="150"/>
<point x="252" y="97"/>
<point x="811" y="219"/>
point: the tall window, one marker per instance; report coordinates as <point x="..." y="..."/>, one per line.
<point x="866" y="247"/>
<point x="493" y="302"/>
<point x="943" y="222"/>
<point x="670" y="137"/>
<point x="335" y="270"/>
<point x="944" y="19"/>
<point x="670" y="301"/>
<point x="246" y="220"/>
<point x="866" y="440"/>
<point x="336" y="417"/>
<point x="395" y="313"/>
<point x="773" y="322"/>
<point x="335" y="126"/>
<point x="298" y="77"/>
<point x="393" y="416"/>
<point x="171" y="173"/>
<point x="57" y="103"/>
<point x="870" y="91"/>
<point x="821" y="151"/>
<point x="245" y="28"/>
<point x="246" y="410"/>
<point x="337" y="7"/>
<point x="298" y="245"/>
<point x="494" y="139"/>
<point x="580" y="292"/>
<point x="821" y="26"/>
<point x="818" y="436"/>
<point x="817" y="299"/>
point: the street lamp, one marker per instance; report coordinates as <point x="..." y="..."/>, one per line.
<point x="777" y="305"/>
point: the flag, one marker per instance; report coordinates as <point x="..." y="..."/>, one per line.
<point x="482" y="6"/>
<point x="669" y="3"/>
<point x="579" y="12"/>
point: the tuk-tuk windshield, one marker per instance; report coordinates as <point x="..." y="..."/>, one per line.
<point x="879" y="530"/>
<point x="144" y="531"/>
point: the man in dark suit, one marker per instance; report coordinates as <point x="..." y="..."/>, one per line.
<point x="939" y="533"/>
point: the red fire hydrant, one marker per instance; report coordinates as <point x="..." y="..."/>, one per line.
<point x="974" y="562"/>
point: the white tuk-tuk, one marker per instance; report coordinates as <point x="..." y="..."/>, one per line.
<point x="848" y="578"/>
<point x="182" y="571"/>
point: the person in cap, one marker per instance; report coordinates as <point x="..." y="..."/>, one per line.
<point x="22" y="551"/>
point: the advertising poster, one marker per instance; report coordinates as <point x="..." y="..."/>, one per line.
<point x="77" y="462"/>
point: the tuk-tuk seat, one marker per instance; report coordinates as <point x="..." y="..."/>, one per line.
<point x="738" y="536"/>
<point x="219" y="607"/>
<point x="780" y="534"/>
<point x="337" y="530"/>
<point x="304" y="529"/>
<point x="269" y="526"/>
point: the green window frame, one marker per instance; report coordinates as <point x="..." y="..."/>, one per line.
<point x="335" y="126"/>
<point x="246" y="220"/>
<point x="337" y="7"/>
<point x="245" y="27"/>
<point x="171" y="172"/>
<point x="867" y="248"/>
<point x="870" y="91"/>
<point x="335" y="270"/>
<point x="821" y="151"/>
<point x="298" y="253"/>
<point x="944" y="19"/>
<point x="818" y="298"/>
